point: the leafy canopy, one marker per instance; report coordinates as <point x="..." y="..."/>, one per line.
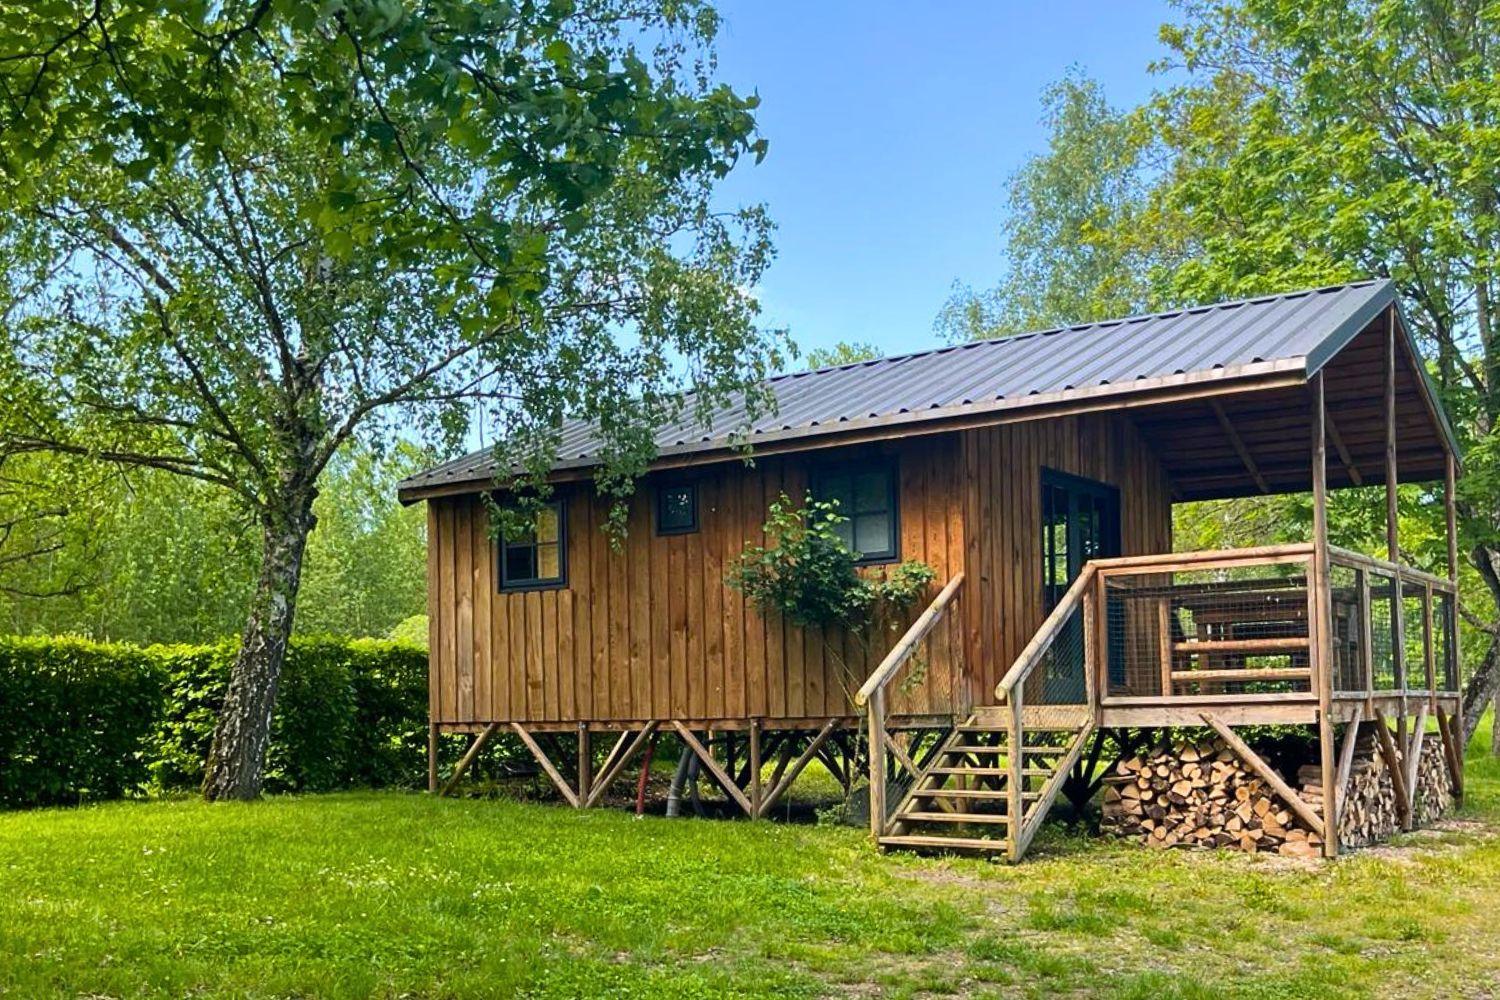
<point x="236" y="235"/>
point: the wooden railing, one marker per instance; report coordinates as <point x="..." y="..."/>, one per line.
<point x="1391" y="626"/>
<point x="872" y="696"/>
<point x="1050" y="689"/>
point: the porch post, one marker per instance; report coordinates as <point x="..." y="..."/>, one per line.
<point x="1392" y="539"/>
<point x="1319" y="641"/>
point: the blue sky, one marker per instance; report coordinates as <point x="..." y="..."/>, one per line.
<point x="892" y="129"/>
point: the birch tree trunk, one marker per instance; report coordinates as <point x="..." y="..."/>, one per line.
<point x="236" y="762"/>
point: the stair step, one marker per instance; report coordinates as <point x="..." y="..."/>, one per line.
<point x="944" y="843"/>
<point x="1040" y="751"/>
<point x="997" y="819"/>
<point x="970" y="793"/>
<point x="993" y="772"/>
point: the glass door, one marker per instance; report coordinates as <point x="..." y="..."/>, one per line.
<point x="1080" y="521"/>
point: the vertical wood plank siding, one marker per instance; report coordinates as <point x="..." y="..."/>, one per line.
<point x="647" y="629"/>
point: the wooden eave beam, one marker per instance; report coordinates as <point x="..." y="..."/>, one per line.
<point x="1239" y="445"/>
<point x="1338" y="446"/>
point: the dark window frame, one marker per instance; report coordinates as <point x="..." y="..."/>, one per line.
<point x="852" y="467"/>
<point x="661" y="492"/>
<point x="559" y="582"/>
<point x="1111" y="528"/>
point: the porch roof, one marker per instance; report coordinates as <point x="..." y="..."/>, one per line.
<point x="1186" y="374"/>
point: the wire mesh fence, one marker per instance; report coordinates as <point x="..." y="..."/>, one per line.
<point x="1060" y="677"/>
<point x="1236" y="630"/>
<point x="1382" y="633"/>
<point x="1347" y="604"/>
<point x="1444" y="653"/>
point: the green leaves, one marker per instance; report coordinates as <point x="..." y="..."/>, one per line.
<point x="807" y="574"/>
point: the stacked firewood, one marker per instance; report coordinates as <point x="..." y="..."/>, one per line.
<point x="1434" y="783"/>
<point x="1200" y="795"/>
<point x="1369" y="814"/>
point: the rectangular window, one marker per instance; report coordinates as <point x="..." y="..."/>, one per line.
<point x="677" y="509"/>
<point x="537" y="558"/>
<point x="866" y="496"/>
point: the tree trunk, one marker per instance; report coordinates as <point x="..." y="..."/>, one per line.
<point x="236" y="762"/>
<point x="1484" y="683"/>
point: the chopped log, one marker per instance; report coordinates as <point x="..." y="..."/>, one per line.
<point x="1203" y="795"/>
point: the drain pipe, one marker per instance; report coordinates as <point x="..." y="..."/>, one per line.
<point x="674" y="793"/>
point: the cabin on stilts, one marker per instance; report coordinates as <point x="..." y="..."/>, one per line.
<point x="1036" y="475"/>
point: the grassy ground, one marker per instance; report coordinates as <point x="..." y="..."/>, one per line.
<point x="401" y="895"/>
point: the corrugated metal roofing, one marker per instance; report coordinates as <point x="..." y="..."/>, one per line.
<point x="1297" y="331"/>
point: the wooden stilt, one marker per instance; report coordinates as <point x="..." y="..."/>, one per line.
<point x="468" y="758"/>
<point x="1393" y="764"/>
<point x="780" y="788"/>
<point x="618" y="758"/>
<point x="1268" y="774"/>
<point x="730" y="788"/>
<point x="585" y="763"/>
<point x="755" y="764"/>
<point x="1413" y="758"/>
<point x="1346" y="761"/>
<point x="1446" y="725"/>
<point x="432" y="757"/>
<point x="1320" y="622"/>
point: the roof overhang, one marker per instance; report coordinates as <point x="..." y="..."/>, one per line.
<point x="1177" y="397"/>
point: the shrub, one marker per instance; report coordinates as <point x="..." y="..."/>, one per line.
<point x="348" y="713"/>
<point x="807" y="573"/>
<point x="82" y="720"/>
<point x="76" y="720"/>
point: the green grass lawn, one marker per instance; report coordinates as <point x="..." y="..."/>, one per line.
<point x="402" y="895"/>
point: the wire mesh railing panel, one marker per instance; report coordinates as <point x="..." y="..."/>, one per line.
<point x="1060" y="677"/>
<point x="1208" y="632"/>
<point x="1382" y="633"/>
<point x="1414" y="647"/>
<point x="1347" y="608"/>
<point x="1444" y="655"/>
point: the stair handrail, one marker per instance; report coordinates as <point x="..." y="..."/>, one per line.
<point x="1050" y="627"/>
<point x="904" y="646"/>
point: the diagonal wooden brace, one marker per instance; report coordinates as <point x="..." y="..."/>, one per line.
<point x="730" y="788"/>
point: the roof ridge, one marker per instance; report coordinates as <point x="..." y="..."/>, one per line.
<point x="1074" y="327"/>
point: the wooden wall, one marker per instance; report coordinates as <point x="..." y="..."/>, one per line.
<point x="649" y="630"/>
<point x="1003" y="498"/>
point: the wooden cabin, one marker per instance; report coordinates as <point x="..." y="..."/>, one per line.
<point x="1036" y="475"/>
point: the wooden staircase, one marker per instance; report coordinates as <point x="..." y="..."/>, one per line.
<point x="989" y="782"/>
<point x="967" y="796"/>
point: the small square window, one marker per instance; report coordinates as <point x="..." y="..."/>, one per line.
<point x="677" y="509"/>
<point x="537" y="558"/>
<point x="866" y="499"/>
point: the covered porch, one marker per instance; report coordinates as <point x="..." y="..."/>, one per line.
<point x="1308" y="634"/>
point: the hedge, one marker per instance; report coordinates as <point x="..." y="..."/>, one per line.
<point x="81" y="720"/>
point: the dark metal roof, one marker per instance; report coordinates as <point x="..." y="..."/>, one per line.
<point x="1295" y="332"/>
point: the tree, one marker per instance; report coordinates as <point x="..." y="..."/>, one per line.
<point x="844" y="352"/>
<point x="1064" y="260"/>
<point x="1321" y="141"/>
<point x="235" y="237"/>
<point x="1314" y="143"/>
<point x="367" y="558"/>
